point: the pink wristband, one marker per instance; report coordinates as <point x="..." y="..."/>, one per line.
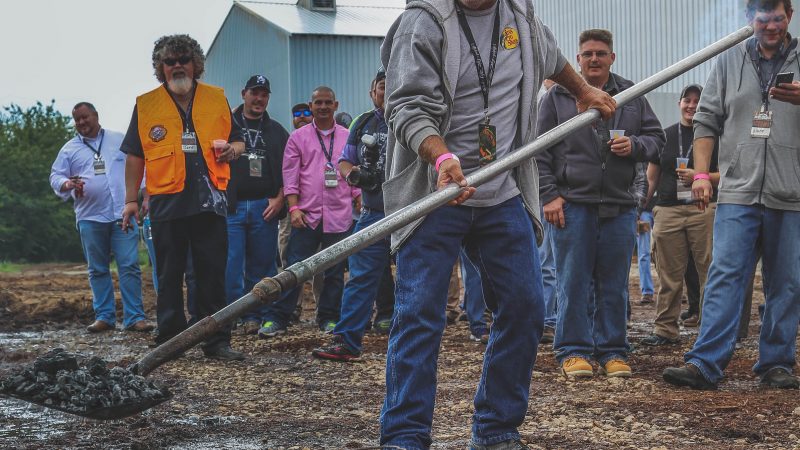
<point x="701" y="176"/>
<point x="293" y="209"/>
<point x="444" y="157"/>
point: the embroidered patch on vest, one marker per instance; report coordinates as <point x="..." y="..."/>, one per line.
<point x="158" y="133"/>
<point x="510" y="38"/>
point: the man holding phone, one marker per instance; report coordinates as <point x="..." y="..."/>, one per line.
<point x="758" y="209"/>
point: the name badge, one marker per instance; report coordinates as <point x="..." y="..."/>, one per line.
<point x="255" y="165"/>
<point x="487" y="143"/>
<point x="331" y="178"/>
<point x="99" y="167"/>
<point x="762" y="125"/>
<point x="189" y="142"/>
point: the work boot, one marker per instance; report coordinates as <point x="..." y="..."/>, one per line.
<point x="616" y="368"/>
<point x="647" y="299"/>
<point x="99" y="326"/>
<point x="142" y="326"/>
<point x="576" y="367"/>
<point x="223" y="352"/>
<point x="692" y="321"/>
<point x="780" y="378"/>
<point x="657" y="341"/>
<point x="688" y="375"/>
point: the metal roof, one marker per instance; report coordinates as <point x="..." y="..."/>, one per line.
<point x="352" y="17"/>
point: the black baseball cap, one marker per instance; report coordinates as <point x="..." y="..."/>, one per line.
<point x="258" y="82"/>
<point x="691" y="87"/>
<point x="300" y="107"/>
<point x="381" y="74"/>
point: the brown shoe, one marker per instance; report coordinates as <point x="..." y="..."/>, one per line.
<point x="99" y="326"/>
<point x="647" y="299"/>
<point x="691" y="321"/>
<point x="142" y="326"/>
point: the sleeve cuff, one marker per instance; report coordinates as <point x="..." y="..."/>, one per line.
<point x="416" y="140"/>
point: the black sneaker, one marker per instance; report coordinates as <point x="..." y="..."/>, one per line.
<point x="223" y="352"/>
<point x="688" y="375"/>
<point x="780" y="378"/>
<point x="655" y="340"/>
<point x="338" y="350"/>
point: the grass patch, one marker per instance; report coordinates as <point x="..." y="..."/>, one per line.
<point x="9" y="267"/>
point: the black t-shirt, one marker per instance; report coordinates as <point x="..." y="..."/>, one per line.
<point x="668" y="182"/>
<point x="264" y="142"/>
<point x="198" y="194"/>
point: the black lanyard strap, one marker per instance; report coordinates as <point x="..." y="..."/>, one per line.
<point x="328" y="154"/>
<point x="776" y="61"/>
<point x="680" y="143"/>
<point x="485" y="81"/>
<point x="96" y="151"/>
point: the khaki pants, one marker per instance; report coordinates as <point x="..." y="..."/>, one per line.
<point x="677" y="231"/>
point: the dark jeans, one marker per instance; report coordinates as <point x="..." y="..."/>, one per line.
<point x="384" y="302"/>
<point x="500" y="241"/>
<point x="303" y="243"/>
<point x="206" y="235"/>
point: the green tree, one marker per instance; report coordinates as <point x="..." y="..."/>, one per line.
<point x="35" y="225"/>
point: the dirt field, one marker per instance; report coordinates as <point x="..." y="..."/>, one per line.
<point x="281" y="398"/>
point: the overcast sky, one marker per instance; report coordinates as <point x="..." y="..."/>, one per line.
<point x="93" y="50"/>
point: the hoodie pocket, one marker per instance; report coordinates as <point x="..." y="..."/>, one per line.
<point x="745" y="170"/>
<point x="783" y="180"/>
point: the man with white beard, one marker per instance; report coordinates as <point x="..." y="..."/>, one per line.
<point x="181" y="133"/>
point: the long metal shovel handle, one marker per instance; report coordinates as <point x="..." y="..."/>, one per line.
<point x="269" y="289"/>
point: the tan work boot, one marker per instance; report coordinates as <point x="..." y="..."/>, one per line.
<point x="576" y="367"/>
<point x="616" y="368"/>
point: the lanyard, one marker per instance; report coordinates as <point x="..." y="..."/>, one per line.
<point x="783" y="54"/>
<point x="96" y="151"/>
<point x="187" y="116"/>
<point x="246" y="131"/>
<point x="329" y="153"/>
<point x="680" y="143"/>
<point x="485" y="81"/>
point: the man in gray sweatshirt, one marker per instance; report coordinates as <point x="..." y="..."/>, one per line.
<point x="756" y="118"/>
<point x="462" y="78"/>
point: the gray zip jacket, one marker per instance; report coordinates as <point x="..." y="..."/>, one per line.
<point x="421" y="54"/>
<point x="752" y="170"/>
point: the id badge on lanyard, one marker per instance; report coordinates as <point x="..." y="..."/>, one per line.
<point x="762" y="124"/>
<point x="99" y="166"/>
<point x="331" y="177"/>
<point x="255" y="165"/>
<point x="189" y="142"/>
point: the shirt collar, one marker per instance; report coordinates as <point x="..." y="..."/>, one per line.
<point x="325" y="133"/>
<point x="83" y="138"/>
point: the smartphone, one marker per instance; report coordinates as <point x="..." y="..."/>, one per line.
<point x="785" y="77"/>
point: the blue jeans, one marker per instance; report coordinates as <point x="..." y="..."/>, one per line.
<point x="594" y="255"/>
<point x="643" y="253"/>
<point x="500" y="241"/>
<point x="252" y="251"/>
<point x="304" y="242"/>
<point x="367" y="268"/>
<point x="549" y="280"/>
<point x="99" y="241"/>
<point x="474" y="304"/>
<point x="738" y="230"/>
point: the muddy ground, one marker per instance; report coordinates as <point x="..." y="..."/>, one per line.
<point x="282" y="398"/>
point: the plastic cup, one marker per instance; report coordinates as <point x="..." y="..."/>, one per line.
<point x="681" y="163"/>
<point x="219" y="146"/>
<point x="616" y="134"/>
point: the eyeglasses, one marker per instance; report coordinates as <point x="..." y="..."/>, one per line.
<point x="305" y="113"/>
<point x="183" y="60"/>
<point x="590" y="55"/>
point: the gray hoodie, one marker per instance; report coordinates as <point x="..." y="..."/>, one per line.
<point x="422" y="71"/>
<point x="752" y="170"/>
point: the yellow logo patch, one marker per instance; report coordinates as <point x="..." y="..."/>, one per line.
<point x="510" y="38"/>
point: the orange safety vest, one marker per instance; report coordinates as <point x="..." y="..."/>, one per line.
<point x="161" y="130"/>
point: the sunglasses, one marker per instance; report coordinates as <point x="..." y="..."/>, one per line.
<point x="183" y="60"/>
<point x="304" y="112"/>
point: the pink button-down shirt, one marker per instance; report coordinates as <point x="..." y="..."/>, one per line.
<point x="304" y="164"/>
